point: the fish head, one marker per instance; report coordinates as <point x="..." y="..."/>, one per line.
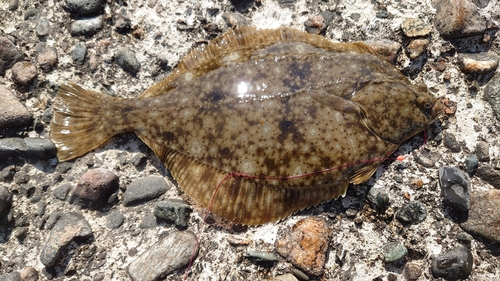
<point x="397" y="110"/>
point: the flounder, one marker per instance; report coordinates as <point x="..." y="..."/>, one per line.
<point x="259" y="124"/>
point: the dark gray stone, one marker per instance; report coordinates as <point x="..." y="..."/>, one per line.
<point x="5" y="202"/>
<point x="412" y="213"/>
<point x="378" y="199"/>
<point x="114" y="220"/>
<point x="126" y="59"/>
<point x="86" y="27"/>
<point x="458" y="19"/>
<point x="78" y="53"/>
<point x="175" y="211"/>
<point x="13" y="276"/>
<point x="85" y="7"/>
<point x="145" y="189"/>
<point x="489" y="175"/>
<point x="394" y="252"/>
<point x="13" y="113"/>
<point x="62" y="191"/>
<point x="170" y="254"/>
<point x="42" y="27"/>
<point x="451" y="142"/>
<point x="24" y="73"/>
<point x="65" y="228"/>
<point x="13" y="5"/>
<point x="492" y="94"/>
<point x="483" y="151"/>
<point x="453" y="264"/>
<point x="37" y="148"/>
<point x="9" y="55"/>
<point x="12" y="147"/>
<point x="94" y="188"/>
<point x="471" y="163"/>
<point x="455" y="188"/>
<point x="261" y="256"/>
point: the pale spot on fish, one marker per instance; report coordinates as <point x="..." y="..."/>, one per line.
<point x="248" y="167"/>
<point x="188" y="76"/>
<point x="231" y="57"/>
<point x="196" y="147"/>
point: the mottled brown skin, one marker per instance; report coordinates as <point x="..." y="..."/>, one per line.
<point x="292" y="104"/>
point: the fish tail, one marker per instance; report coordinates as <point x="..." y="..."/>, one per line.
<point x="83" y="120"/>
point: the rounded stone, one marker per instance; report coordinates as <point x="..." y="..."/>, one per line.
<point x="125" y="58"/>
<point x="13" y="113"/>
<point x="5" y="201"/>
<point x="42" y="27"/>
<point x="9" y="55"/>
<point x="378" y="199"/>
<point x="471" y="163"/>
<point x="144" y="189"/>
<point x="478" y="62"/>
<point x="85" y="7"/>
<point x="458" y="18"/>
<point x="86" y="26"/>
<point x="412" y="271"/>
<point x="78" y="53"/>
<point x="453" y="264"/>
<point x="415" y="28"/>
<point x="412" y="213"/>
<point x="394" y="252"/>
<point x="483" y="151"/>
<point x="114" y="220"/>
<point x="451" y="142"/>
<point x="94" y="188"/>
<point x="24" y="73"/>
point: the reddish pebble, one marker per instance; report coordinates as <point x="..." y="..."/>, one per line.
<point x="94" y="188"/>
<point x="305" y="245"/>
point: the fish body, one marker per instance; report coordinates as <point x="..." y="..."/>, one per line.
<point x="260" y="123"/>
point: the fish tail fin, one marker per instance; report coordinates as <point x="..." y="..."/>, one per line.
<point x="83" y="120"/>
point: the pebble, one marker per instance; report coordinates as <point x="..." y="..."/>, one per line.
<point x="491" y="94"/>
<point x="305" y="245"/>
<point x="388" y="49"/>
<point x="149" y="221"/>
<point x="284" y="277"/>
<point x="471" y="163"/>
<point x="427" y="158"/>
<point x="29" y="274"/>
<point x="416" y="48"/>
<point x="125" y="58"/>
<point x="38" y="148"/>
<point x="261" y="256"/>
<point x="62" y="191"/>
<point x="13" y="5"/>
<point x="483" y="151"/>
<point x="458" y="18"/>
<point x="9" y="55"/>
<point x="94" y="188"/>
<point x="12" y="147"/>
<point x="86" y="27"/>
<point x="13" y="113"/>
<point x="174" y="210"/>
<point x="144" y="189"/>
<point x="78" y="53"/>
<point x="453" y="264"/>
<point x="85" y="7"/>
<point x="5" y="202"/>
<point x="412" y="213"/>
<point x="47" y="59"/>
<point x="394" y="252"/>
<point x="484" y="215"/>
<point x="65" y="228"/>
<point x="42" y="27"/>
<point x="478" y="62"/>
<point x="166" y="256"/>
<point x="317" y="24"/>
<point x="489" y="175"/>
<point x="114" y="220"/>
<point x="451" y="142"/>
<point x="415" y="28"/>
<point x="378" y="199"/>
<point x="455" y="188"/>
<point x="412" y="271"/>
<point x="24" y="73"/>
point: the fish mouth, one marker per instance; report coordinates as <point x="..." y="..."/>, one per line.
<point x="444" y="106"/>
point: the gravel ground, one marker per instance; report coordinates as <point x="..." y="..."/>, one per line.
<point x="116" y="213"/>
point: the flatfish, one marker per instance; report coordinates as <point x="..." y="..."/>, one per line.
<point x="259" y="124"/>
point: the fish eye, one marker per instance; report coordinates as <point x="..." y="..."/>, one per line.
<point x="424" y="103"/>
<point x="427" y="105"/>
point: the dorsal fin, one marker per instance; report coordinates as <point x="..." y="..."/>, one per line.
<point x="240" y="199"/>
<point x="243" y="41"/>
